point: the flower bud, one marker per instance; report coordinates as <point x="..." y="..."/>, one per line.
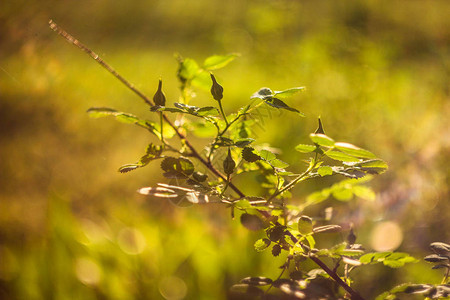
<point x="216" y="89"/>
<point x="159" y="98"/>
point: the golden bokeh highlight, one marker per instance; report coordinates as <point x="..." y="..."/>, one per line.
<point x="87" y="271"/>
<point x="172" y="288"/>
<point x="386" y="236"/>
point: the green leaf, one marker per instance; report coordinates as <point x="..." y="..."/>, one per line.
<point x="243" y="142"/>
<point x="288" y="93"/>
<point x="350" y="252"/>
<point x="218" y="61"/>
<point x="375" y="166"/>
<point x="321" y="139"/>
<point x="200" y="177"/>
<point x="128" y="168"/>
<point x="249" y="154"/>
<point x="305" y="225"/>
<point x="342" y="193"/>
<point x="167" y="109"/>
<point x="305" y="148"/>
<point x="390" y="259"/>
<point x="279" y="164"/>
<point x="188" y="68"/>
<point x="277" y="103"/>
<point x="354" y="150"/>
<point x="202" y="80"/>
<point x="341" y="156"/>
<point x="252" y="222"/>
<point x="311" y="241"/>
<point x="262" y="94"/>
<point x="266" y="155"/>
<point x="208" y="111"/>
<point x="245" y="291"/>
<point x="325" y="170"/>
<point x="364" y="192"/>
<point x="177" y="167"/>
<point x="224" y="142"/>
<point x="186" y="166"/>
<point x="99" y="112"/>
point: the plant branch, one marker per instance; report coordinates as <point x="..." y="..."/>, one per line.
<point x="72" y="40"/>
<point x="69" y="38"/>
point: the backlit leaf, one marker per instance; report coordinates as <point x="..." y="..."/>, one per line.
<point x="218" y="61"/>
<point x="262" y="244"/>
<point x="341" y="156"/>
<point x="354" y="150"/>
<point x="305" y="225"/>
<point x="305" y="148"/>
<point x="288" y="93"/>
<point x="188" y="68"/>
<point x="325" y="170"/>
<point x="321" y="139"/>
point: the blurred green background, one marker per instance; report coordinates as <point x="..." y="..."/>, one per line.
<point x="72" y="227"/>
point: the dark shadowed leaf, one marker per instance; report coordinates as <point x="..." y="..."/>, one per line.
<point x="249" y="154"/>
<point x="277" y="103"/>
<point x="243" y="142"/>
<point x="290" y="287"/>
<point x="440" y="248"/>
<point x="200" y="177"/>
<point x="263" y="93"/>
<point x="260" y="281"/>
<point x="252" y="222"/>
<point x="276" y="250"/>
<point x="128" y="168"/>
<point x="276" y="233"/>
<point x="245" y="291"/>
<point x="435" y="258"/>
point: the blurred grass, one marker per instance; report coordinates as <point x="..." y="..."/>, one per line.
<point x="72" y="227"/>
